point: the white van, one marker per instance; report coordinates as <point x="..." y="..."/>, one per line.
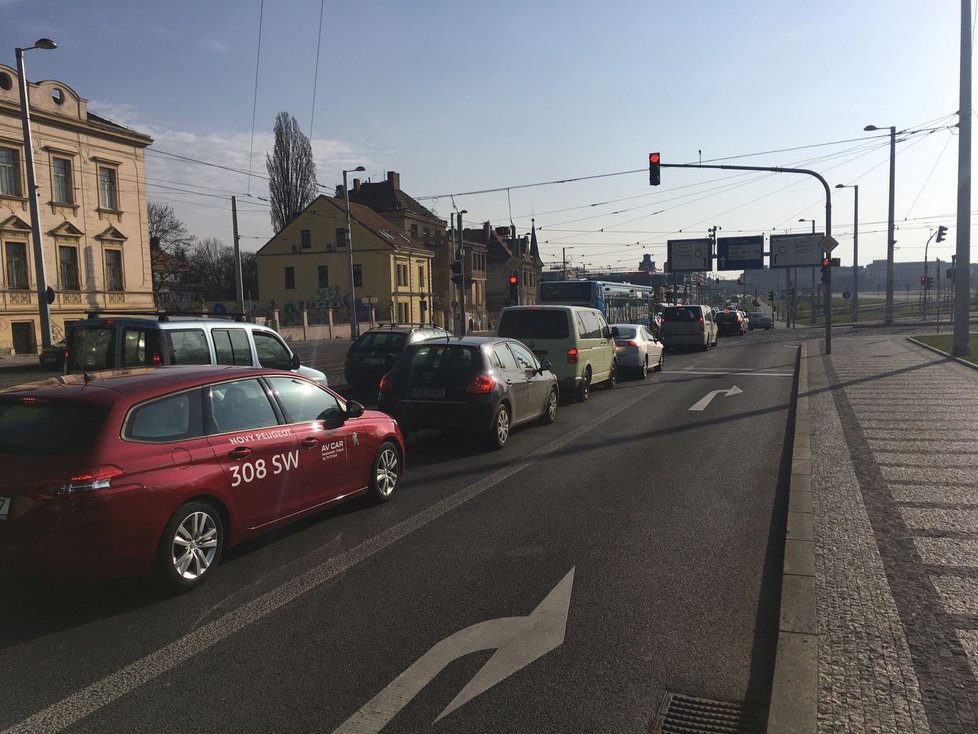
<point x="577" y="342"/>
<point x="688" y="326"/>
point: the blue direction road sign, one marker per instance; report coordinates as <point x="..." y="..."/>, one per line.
<point x="740" y="253"/>
<point x="690" y="255"/>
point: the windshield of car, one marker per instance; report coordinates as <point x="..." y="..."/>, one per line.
<point x="681" y="313"/>
<point x="42" y="426"/>
<point x="534" y="324"/>
<point x="381" y="341"/>
<point x="626" y="332"/>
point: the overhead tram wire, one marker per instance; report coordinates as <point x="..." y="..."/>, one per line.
<point x="254" y="102"/>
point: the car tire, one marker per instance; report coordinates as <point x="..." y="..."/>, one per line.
<point x="612" y="380"/>
<point x="662" y="359"/>
<point x="191" y="546"/>
<point x="501" y="425"/>
<point x="550" y="410"/>
<point x="643" y="371"/>
<point x="385" y="471"/>
<point x="584" y="389"/>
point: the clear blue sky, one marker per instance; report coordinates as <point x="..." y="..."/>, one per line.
<point x="461" y="97"/>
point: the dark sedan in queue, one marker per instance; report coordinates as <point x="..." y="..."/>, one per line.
<point x="481" y="385"/>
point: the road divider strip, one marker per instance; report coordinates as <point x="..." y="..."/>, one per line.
<point x="101" y="693"/>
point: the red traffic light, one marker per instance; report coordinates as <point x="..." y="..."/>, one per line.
<point x="653" y="157"/>
<point x="513" y="280"/>
<point x="825" y="262"/>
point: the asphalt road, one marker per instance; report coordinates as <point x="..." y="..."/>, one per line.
<point x="644" y="537"/>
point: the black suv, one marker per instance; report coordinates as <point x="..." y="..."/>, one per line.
<point x="375" y="352"/>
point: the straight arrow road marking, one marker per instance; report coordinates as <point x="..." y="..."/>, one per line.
<point x="701" y="405"/>
<point x="518" y="641"/>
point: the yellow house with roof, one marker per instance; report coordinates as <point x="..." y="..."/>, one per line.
<point x="306" y="266"/>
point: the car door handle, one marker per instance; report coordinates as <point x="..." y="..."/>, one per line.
<point x="242" y="452"/>
<point x="308" y="443"/>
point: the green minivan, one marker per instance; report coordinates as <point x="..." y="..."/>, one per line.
<point x="577" y="342"/>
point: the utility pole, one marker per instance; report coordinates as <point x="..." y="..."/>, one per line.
<point x="460" y="255"/>
<point x="563" y="271"/>
<point x="238" y="276"/>
<point x="962" y="267"/>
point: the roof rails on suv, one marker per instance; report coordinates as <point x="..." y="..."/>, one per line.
<point x="164" y="315"/>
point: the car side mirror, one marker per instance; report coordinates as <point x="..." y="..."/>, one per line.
<point x="614" y="332"/>
<point x="294" y="363"/>
<point x="545" y="367"/>
<point x="354" y="409"/>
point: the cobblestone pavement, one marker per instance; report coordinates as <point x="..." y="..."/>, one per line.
<point x="895" y="491"/>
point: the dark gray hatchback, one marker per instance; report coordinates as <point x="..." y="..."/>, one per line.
<point x="481" y="385"/>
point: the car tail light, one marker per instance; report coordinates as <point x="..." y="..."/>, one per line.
<point x="738" y="319"/>
<point x="386" y="383"/>
<point x="99" y="477"/>
<point x="701" y="318"/>
<point x="627" y="343"/>
<point x="572" y="356"/>
<point x="156" y="359"/>
<point x="480" y="385"/>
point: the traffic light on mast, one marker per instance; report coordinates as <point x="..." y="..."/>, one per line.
<point x="826" y="270"/>
<point x="941" y="232"/>
<point x="653" y="169"/>
<point x="514" y="283"/>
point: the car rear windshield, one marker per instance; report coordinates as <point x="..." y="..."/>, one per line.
<point x="534" y="324"/>
<point x="444" y="358"/>
<point x="92" y="347"/>
<point x="385" y="341"/>
<point x="680" y="313"/>
<point x="39" y="426"/>
<point x="727" y="316"/>
<point x="625" y="332"/>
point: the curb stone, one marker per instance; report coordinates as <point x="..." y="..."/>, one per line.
<point x="794" y="700"/>
<point x="964" y="362"/>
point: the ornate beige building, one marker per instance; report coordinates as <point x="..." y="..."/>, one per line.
<point x="91" y="190"/>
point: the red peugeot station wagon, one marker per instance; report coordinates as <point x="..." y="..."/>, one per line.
<point x="145" y="470"/>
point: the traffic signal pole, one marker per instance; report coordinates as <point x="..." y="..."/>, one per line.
<point x="772" y="169"/>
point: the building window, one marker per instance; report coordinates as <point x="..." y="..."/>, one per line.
<point x="402" y="275"/>
<point x="9" y="172"/>
<point x="61" y="189"/>
<point x="358" y="276"/>
<point x="107" y="194"/>
<point x="306" y="239"/>
<point x="324" y="276"/>
<point x="340" y="237"/>
<point x="68" y="268"/>
<point x="427" y="232"/>
<point x="113" y="270"/>
<point x="414" y="230"/>
<point x="421" y="277"/>
<point x="290" y="279"/>
<point x="17" y="265"/>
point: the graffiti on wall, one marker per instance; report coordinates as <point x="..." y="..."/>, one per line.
<point x="317" y="305"/>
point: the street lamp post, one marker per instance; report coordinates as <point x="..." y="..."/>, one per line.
<point x="461" y="286"/>
<point x="44" y="314"/>
<point x="855" y="249"/>
<point x="354" y="329"/>
<point x="888" y="304"/>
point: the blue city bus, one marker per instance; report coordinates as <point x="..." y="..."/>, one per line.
<point x="621" y="303"/>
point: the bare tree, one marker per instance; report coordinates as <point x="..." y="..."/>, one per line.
<point x="169" y="242"/>
<point x="291" y="171"/>
<point x="213" y="265"/>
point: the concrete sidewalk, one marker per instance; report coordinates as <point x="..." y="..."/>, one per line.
<point x="894" y="528"/>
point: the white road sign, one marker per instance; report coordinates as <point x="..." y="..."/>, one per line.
<point x="690" y="255"/>
<point x="796" y="250"/>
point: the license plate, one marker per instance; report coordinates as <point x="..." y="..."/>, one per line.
<point x="428" y="392"/>
<point x="4" y="507"/>
<point x="373" y="360"/>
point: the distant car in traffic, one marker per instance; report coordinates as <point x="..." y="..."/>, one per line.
<point x="374" y="352"/>
<point x="759" y="320"/>
<point x="637" y="349"/>
<point x="159" y="470"/>
<point x="479" y="385"/>
<point x="688" y="326"/>
<point x="732" y="322"/>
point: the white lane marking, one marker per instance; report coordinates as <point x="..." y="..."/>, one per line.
<point x="701" y="404"/>
<point x="518" y="641"/>
<point x="729" y="373"/>
<point x="101" y="693"/>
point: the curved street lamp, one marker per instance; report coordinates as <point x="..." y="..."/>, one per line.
<point x="854" y="303"/>
<point x="354" y="331"/>
<point x="44" y="314"/>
